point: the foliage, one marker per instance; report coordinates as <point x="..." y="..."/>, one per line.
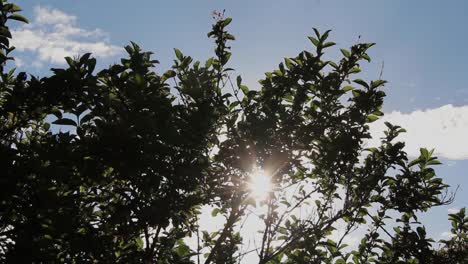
<point x="114" y="166"/>
<point x="455" y="249"/>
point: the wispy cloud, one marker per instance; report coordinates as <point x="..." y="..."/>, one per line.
<point x="453" y="210"/>
<point x="444" y="128"/>
<point x="446" y="235"/>
<point x="54" y="34"/>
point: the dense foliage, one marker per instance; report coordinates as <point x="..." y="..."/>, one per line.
<point x="114" y="166"/>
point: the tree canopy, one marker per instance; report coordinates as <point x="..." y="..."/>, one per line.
<point x="115" y="166"/>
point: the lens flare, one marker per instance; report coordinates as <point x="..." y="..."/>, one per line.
<point x="260" y="185"/>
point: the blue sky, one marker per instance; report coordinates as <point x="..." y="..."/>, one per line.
<point x="422" y="44"/>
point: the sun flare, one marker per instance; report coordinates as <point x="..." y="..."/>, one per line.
<point x="260" y="185"/>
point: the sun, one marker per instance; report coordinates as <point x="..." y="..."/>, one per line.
<point x="260" y="185"/>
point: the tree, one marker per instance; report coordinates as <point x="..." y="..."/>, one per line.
<point x="143" y="152"/>
<point x="455" y="249"/>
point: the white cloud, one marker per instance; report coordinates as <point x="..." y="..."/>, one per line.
<point x="19" y="62"/>
<point x="451" y="163"/>
<point x="46" y="15"/>
<point x="444" y="128"/>
<point x="446" y="235"/>
<point x="53" y="34"/>
<point x="453" y="210"/>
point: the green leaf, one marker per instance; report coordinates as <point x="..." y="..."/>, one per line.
<point x="361" y="82"/>
<point x="169" y="74"/>
<point x="371" y="118"/>
<point x="318" y="203"/>
<point x="86" y="118"/>
<point x="85" y="57"/>
<point x="227" y="21"/>
<point x="368" y="45"/>
<point x="316" y="32"/>
<point x="288" y="62"/>
<point x="91" y="65"/>
<point x="356" y="93"/>
<point x="209" y="62"/>
<point x="366" y="57"/>
<point x="325" y="35"/>
<point x="233" y="105"/>
<point x="345" y="53"/>
<point x="129" y="49"/>
<point x="414" y="162"/>
<point x="314" y="41"/>
<point x="12" y="8"/>
<point x="70" y="61"/>
<point x="19" y="18"/>
<point x="333" y="64"/>
<point x="424" y="153"/>
<point x="179" y="54"/>
<point x="354" y="70"/>
<point x="5" y="32"/>
<point x="375" y="84"/>
<point x="347" y="88"/>
<point x="378" y="113"/>
<point x="340" y="261"/>
<point x="371" y="149"/>
<point x="328" y="44"/>
<point x="182" y="249"/>
<point x="215" y="212"/>
<point x="56" y="112"/>
<point x="65" y="122"/>
<point x="139" y="243"/>
<point x="244" y="89"/>
<point x="230" y="37"/>
<point x="434" y="162"/>
<point x="239" y="81"/>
